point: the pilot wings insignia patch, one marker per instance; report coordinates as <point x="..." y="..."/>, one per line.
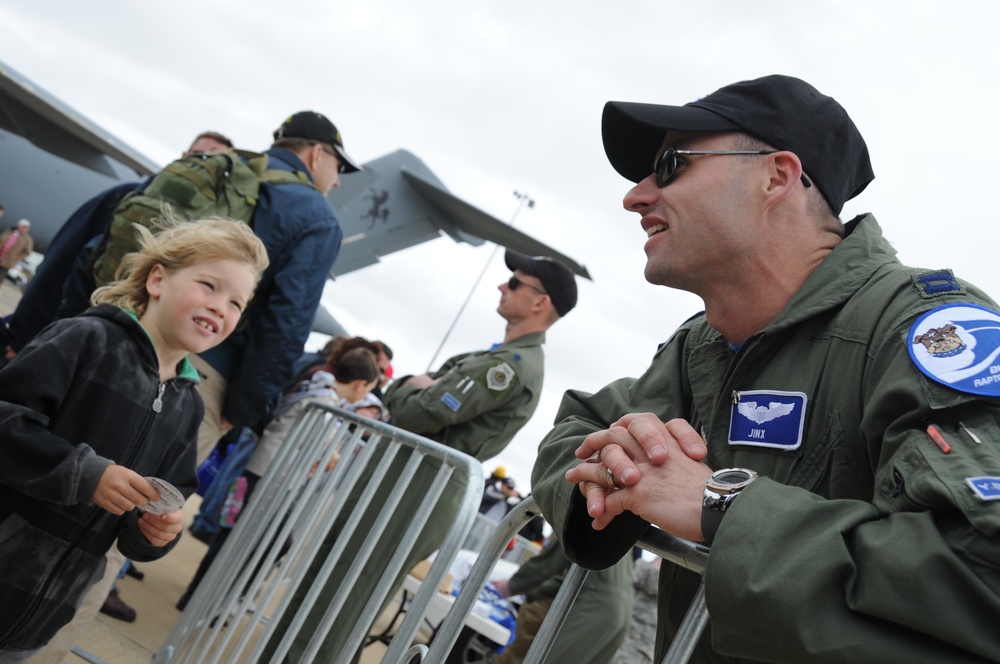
<point x="779" y="424"/>
<point x="761" y="414"/>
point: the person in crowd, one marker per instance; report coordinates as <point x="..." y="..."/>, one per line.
<point x="499" y="499"/>
<point x="94" y="406"/>
<point x="827" y="425"/>
<point x="15" y="245"/>
<point x="384" y="366"/>
<point x="246" y="374"/>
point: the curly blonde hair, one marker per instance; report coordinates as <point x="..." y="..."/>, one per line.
<point x="178" y="245"/>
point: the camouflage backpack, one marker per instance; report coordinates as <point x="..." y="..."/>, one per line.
<point x="221" y="184"/>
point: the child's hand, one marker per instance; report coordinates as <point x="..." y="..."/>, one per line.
<point x="161" y="529"/>
<point x="331" y="464"/>
<point x="121" y="490"/>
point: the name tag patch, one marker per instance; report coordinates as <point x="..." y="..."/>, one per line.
<point x="449" y="400"/>
<point x="768" y="418"/>
<point x="985" y="488"/>
<point x="958" y="345"/>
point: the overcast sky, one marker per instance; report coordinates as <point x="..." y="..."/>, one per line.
<point x="502" y="96"/>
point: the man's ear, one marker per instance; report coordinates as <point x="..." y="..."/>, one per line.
<point x="314" y="157"/>
<point x="784" y="172"/>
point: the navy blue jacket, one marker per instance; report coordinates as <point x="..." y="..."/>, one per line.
<point x="300" y="230"/>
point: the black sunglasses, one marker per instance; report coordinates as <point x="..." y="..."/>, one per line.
<point x="666" y="164"/>
<point x="514" y="283"/>
<point x="341" y="165"/>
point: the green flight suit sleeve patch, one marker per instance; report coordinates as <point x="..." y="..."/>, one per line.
<point x="500" y="376"/>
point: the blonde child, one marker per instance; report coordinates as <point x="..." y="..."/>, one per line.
<point x="98" y="403"/>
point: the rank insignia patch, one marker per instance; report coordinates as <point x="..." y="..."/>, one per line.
<point x="762" y="418"/>
<point x="958" y="345"/>
<point x="985" y="488"/>
<point x="449" y="400"/>
<point x="499" y="377"/>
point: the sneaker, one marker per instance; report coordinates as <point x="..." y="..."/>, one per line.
<point x="116" y="607"/>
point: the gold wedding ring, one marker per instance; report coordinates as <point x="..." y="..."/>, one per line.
<point x="609" y="477"/>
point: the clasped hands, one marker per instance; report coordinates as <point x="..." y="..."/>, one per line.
<point x="656" y="468"/>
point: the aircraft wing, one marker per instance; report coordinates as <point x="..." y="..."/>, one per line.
<point x="396" y="201"/>
<point x="473" y="221"/>
<point x="32" y="113"/>
<point x="52" y="159"/>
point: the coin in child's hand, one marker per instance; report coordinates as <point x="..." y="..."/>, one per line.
<point x="170" y="500"/>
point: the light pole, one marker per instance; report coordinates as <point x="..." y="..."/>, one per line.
<point x="522" y="200"/>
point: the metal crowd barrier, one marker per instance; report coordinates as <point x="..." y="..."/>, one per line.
<point x="689" y="555"/>
<point x="483" y="528"/>
<point x="235" y="611"/>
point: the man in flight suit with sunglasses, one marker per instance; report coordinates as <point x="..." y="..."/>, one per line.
<point x="476" y="402"/>
<point x="830" y="424"/>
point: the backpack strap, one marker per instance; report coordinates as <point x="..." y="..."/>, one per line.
<point x="257" y="161"/>
<point x="280" y="176"/>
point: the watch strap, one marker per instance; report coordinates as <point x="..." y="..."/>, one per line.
<point x="710" y="522"/>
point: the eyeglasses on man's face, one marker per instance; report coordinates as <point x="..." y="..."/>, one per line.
<point x="514" y="283"/>
<point x="667" y="164"/>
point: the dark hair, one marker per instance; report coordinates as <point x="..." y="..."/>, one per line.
<point x="347" y="366"/>
<point x="215" y="136"/>
<point x="356" y="364"/>
<point x="384" y="348"/>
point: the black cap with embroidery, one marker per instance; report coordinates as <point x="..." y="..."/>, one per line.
<point x="782" y="111"/>
<point x="314" y="126"/>
<point x="556" y="278"/>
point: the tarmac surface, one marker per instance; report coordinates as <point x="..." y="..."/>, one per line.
<point x="111" y="641"/>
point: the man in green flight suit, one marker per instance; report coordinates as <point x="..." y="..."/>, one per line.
<point x="474" y="403"/>
<point x="848" y="405"/>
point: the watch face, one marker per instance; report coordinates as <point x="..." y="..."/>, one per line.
<point x="731" y="476"/>
<point x="729" y="480"/>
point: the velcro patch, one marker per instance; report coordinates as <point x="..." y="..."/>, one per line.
<point x="932" y="284"/>
<point x="768" y="418"/>
<point x="985" y="488"/>
<point x="500" y="377"/>
<point x="958" y="345"/>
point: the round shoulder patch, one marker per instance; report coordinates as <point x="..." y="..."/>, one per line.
<point x="957" y="345"/>
<point x="499" y="377"/>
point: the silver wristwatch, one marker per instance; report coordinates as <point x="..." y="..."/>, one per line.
<point x="721" y="489"/>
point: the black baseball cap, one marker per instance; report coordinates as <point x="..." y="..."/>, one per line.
<point x="556" y="278"/>
<point x="314" y="126"/>
<point x="783" y="111"/>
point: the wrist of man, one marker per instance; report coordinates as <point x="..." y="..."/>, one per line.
<point x="721" y="491"/>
